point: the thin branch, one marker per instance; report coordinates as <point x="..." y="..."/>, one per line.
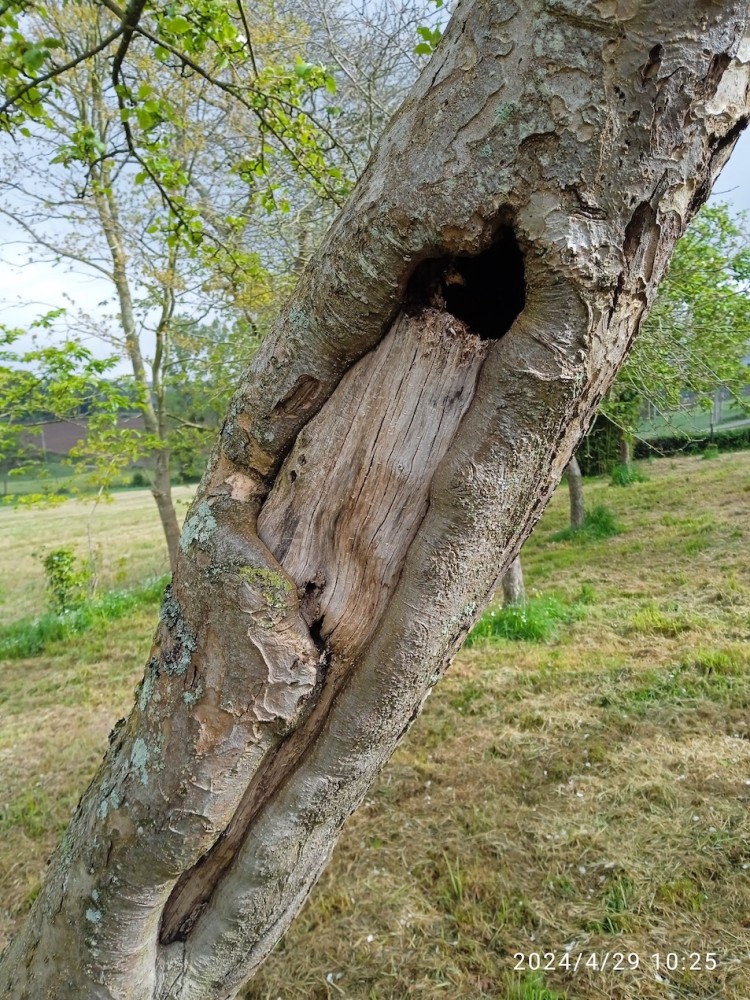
<point x="189" y="423"/>
<point x="56" y="250"/>
<point x="59" y="70"/>
<point x="233" y="92"/>
<point x="246" y="26"/>
<point x="130" y="20"/>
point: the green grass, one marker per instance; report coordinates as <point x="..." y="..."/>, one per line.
<point x="598" y="523"/>
<point x="626" y="475"/>
<point x="589" y="790"/>
<point x="31" y="637"/>
<point x="538" y="619"/>
<point x="531" y="987"/>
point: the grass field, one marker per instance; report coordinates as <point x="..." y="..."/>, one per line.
<point x="693" y="423"/>
<point x="125" y="537"/>
<point x="582" y="796"/>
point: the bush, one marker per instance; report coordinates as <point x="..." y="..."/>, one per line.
<point x="138" y="479"/>
<point x="731" y="439"/>
<point x="600" y="449"/>
<point x="67" y="580"/>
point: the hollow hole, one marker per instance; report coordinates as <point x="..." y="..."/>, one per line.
<point x="486" y="291"/>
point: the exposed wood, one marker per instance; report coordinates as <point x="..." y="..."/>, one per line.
<point x="355" y="487"/>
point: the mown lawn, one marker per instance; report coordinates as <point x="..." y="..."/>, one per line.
<point x="587" y="795"/>
<point x="122" y="535"/>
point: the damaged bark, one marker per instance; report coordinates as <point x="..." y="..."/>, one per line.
<point x="394" y="442"/>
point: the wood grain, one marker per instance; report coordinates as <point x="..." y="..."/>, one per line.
<point x="355" y="487"/>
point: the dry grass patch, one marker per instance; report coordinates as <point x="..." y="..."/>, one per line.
<point x="56" y="712"/>
<point x="589" y="793"/>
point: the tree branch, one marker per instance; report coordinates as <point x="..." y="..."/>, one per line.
<point x="130" y="20"/>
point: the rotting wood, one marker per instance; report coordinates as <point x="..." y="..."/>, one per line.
<point x="356" y="485"/>
<point x="381" y="436"/>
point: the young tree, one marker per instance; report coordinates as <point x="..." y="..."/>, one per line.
<point x="63" y="382"/>
<point x="514" y="588"/>
<point x="575" y="491"/>
<point x="393" y="443"/>
<point x="81" y="195"/>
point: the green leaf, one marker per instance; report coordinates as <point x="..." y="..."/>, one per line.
<point x="178" y="25"/>
<point x="33" y="58"/>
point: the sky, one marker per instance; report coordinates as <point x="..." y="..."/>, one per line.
<point x="29" y="290"/>
<point x="733" y="184"/>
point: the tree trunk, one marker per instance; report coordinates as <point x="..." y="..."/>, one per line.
<point x="575" y="489"/>
<point x="395" y="440"/>
<point x="626" y="449"/>
<point x="154" y="418"/>
<point x="514" y="589"/>
<point x="162" y="494"/>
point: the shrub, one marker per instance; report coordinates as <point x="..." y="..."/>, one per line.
<point x="67" y="580"/>
<point x="729" y="439"/>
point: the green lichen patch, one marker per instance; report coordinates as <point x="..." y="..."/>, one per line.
<point x="139" y="756"/>
<point x="147" y="685"/>
<point x="109" y="802"/>
<point x="176" y="660"/>
<point x="274" y="586"/>
<point x="191" y="697"/>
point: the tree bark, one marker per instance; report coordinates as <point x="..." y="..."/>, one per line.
<point x="394" y="442"/>
<point x="514" y="589"/>
<point x="575" y="490"/>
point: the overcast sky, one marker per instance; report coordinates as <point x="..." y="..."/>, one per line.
<point x="29" y="290"/>
<point x="734" y="184"/>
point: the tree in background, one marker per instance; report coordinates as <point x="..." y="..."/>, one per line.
<point x="55" y="383"/>
<point x="151" y="177"/>
<point x="697" y="337"/>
